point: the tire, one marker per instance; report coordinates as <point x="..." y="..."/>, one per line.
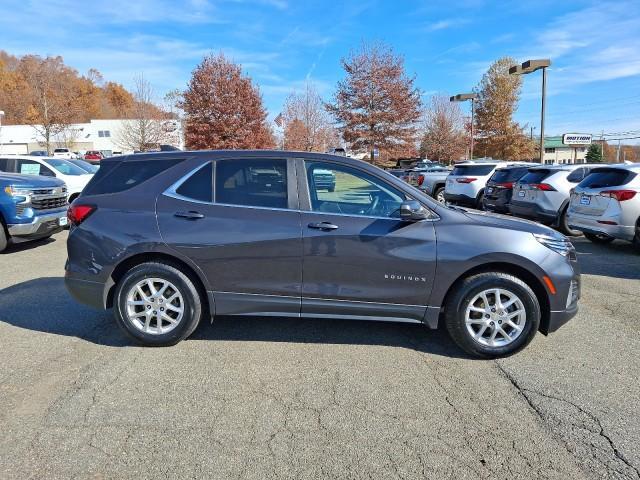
<point x="439" y="195"/>
<point x="601" y="239"/>
<point x="480" y="201"/>
<point x="4" y="237"/>
<point x="468" y="293"/>
<point x="563" y="225"/>
<point x="636" y="238"/>
<point x="145" y="331"/>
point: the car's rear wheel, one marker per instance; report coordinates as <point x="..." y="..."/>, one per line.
<point x="598" y="237"/>
<point x="439" y="195"/>
<point x="636" y="238"/>
<point x="492" y="314"/>
<point x="157" y="304"/>
<point x="563" y="225"/>
<point x="480" y="201"/>
<point x="4" y="238"/>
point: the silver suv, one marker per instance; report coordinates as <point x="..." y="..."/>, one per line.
<point x="606" y="204"/>
<point x="543" y="194"/>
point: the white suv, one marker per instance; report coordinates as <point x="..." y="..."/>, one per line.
<point x="606" y="204"/>
<point x="63" y="153"/>
<point x="466" y="182"/>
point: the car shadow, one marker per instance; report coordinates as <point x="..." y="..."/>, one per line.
<point x="22" y="246"/>
<point x="618" y="259"/>
<point x="43" y="305"/>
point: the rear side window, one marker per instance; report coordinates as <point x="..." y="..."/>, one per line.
<point x="114" y="177"/>
<point x="577" y="175"/>
<point x="31" y="167"/>
<point x="535" y="176"/>
<point x="478" y="170"/>
<point x="199" y="186"/>
<point x="256" y="183"/>
<point x="607" y="177"/>
<point x="508" y="174"/>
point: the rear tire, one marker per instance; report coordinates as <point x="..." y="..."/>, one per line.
<point x="598" y="238"/>
<point x="157" y="305"/>
<point x="636" y="238"/>
<point x="519" y="321"/>
<point x="480" y="201"/>
<point x="439" y="195"/>
<point x="563" y="225"/>
<point x="4" y="237"/>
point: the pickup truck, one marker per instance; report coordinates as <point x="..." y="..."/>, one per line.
<point x="431" y="181"/>
<point x="32" y="207"/>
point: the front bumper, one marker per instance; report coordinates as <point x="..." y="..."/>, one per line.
<point x="39" y="226"/>
<point x="559" y="318"/>
<point x="590" y="224"/>
<point x="533" y="211"/>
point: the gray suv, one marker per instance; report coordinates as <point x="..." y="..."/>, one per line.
<point x="169" y="239"/>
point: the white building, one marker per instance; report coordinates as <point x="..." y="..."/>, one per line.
<point x="557" y="152"/>
<point x="103" y="135"/>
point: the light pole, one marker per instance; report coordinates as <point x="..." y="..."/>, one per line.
<point x="463" y="97"/>
<point x="531" y="66"/>
<point x="1" y="115"/>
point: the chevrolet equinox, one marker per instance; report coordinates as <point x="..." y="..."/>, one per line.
<point x="168" y="239"/>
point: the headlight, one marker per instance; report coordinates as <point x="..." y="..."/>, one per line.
<point x="17" y="191"/>
<point x="556" y="242"/>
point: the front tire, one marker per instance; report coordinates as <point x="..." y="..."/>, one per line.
<point x="439" y="195"/>
<point x="492" y="315"/>
<point x="4" y="237"/>
<point x="157" y="305"/>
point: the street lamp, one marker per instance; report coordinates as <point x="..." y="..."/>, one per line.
<point x="463" y="97"/>
<point x="531" y="66"/>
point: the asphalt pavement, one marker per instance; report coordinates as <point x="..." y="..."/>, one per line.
<point x="290" y="398"/>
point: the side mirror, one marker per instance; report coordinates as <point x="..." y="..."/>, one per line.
<point x="412" y="211"/>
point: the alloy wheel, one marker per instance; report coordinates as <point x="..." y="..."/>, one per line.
<point x="495" y="317"/>
<point x="154" y="306"/>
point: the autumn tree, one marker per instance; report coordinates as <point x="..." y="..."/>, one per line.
<point x="444" y="138"/>
<point x="497" y="134"/>
<point x="223" y="108"/>
<point x="145" y="129"/>
<point x="307" y="126"/>
<point x="376" y="105"/>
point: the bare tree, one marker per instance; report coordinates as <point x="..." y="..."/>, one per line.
<point x="145" y="129"/>
<point x="307" y="125"/>
<point x="377" y="105"/>
<point x="444" y="136"/>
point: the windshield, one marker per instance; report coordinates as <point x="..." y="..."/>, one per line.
<point x="85" y="165"/>
<point x="65" y="167"/>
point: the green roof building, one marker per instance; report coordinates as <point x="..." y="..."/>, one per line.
<point x="556" y="152"/>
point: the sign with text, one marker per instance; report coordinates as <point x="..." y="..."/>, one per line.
<point x="576" y="139"/>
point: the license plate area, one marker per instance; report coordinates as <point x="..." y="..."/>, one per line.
<point x="62" y="221"/>
<point x="585" y="200"/>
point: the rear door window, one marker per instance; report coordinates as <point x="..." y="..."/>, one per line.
<point x="607" y="177"/>
<point x="535" y="176"/>
<point x="470" y="170"/>
<point x="253" y="183"/>
<point x="31" y="167"/>
<point x="577" y="175"/>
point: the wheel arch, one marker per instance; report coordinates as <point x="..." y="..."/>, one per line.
<point x="517" y="271"/>
<point x="128" y="263"/>
<point x="437" y="185"/>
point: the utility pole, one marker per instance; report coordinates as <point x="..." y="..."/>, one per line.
<point x="618" y="153"/>
<point x="602" y="159"/>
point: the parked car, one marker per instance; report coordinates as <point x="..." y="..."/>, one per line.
<point x="433" y="182"/>
<point x="543" y="194"/>
<point x="466" y="183"/>
<point x="63" y="153"/>
<point x="606" y="204"/>
<point x="325" y="179"/>
<point x="31" y="207"/>
<point x="93" y="155"/>
<point x="39" y="153"/>
<point x="74" y="177"/>
<point x="205" y="240"/>
<point x="499" y="188"/>
<point x="86" y="166"/>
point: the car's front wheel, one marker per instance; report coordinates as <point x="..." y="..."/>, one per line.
<point x="492" y="314"/>
<point x="439" y="195"/>
<point x="157" y="304"/>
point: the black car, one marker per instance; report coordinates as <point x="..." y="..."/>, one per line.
<point x="172" y="238"/>
<point x="499" y="189"/>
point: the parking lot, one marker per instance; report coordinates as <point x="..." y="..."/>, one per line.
<point x="285" y="398"/>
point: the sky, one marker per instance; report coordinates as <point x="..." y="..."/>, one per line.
<point x="593" y="84"/>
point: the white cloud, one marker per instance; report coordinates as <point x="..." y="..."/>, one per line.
<point x="446" y="24"/>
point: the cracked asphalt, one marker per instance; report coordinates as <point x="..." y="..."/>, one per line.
<point x="283" y="398"/>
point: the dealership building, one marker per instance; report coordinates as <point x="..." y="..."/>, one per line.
<point x="102" y="135"/>
<point x="568" y="148"/>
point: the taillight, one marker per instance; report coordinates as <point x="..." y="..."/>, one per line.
<point x="505" y="185"/>
<point x="466" y="180"/>
<point x="420" y="179"/>
<point x="545" y="187"/>
<point x="79" y="213"/>
<point x="620" y="195"/>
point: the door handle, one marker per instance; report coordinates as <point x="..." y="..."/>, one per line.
<point x="191" y="215"/>
<point x="323" y="226"/>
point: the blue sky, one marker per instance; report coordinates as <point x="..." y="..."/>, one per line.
<point x="593" y="85"/>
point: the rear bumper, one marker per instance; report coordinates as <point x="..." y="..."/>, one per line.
<point x="460" y="199"/>
<point x="85" y="291"/>
<point x="40" y="226"/>
<point x="590" y="224"/>
<point x="533" y="211"/>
